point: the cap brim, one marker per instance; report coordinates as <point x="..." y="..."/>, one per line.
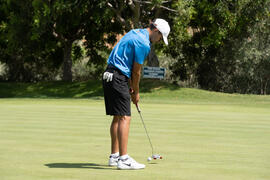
<point x="165" y="39"/>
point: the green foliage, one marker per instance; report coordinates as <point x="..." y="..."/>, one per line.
<point x="216" y="30"/>
<point x="243" y="65"/>
<point x="220" y="45"/>
<point x="178" y="36"/>
<point x="36" y="35"/>
<point x="253" y="58"/>
<point x="80" y="20"/>
<point x="27" y="59"/>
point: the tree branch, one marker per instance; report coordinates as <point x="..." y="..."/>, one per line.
<point x="169" y="9"/>
<point x="118" y="13"/>
<point x="131" y="4"/>
<point x="163" y="7"/>
<point x="144" y="2"/>
<point x="135" y="7"/>
<point x="150" y="2"/>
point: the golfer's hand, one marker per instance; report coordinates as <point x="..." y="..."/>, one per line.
<point x="135" y="97"/>
<point x="131" y="91"/>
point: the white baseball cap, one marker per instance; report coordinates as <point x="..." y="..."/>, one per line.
<point x="163" y="27"/>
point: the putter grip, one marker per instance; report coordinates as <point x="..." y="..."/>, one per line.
<point x="138" y="109"/>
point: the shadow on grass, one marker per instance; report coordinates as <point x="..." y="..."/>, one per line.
<point x="79" y="165"/>
<point x="56" y="89"/>
<point x="59" y="89"/>
<point x="149" y="85"/>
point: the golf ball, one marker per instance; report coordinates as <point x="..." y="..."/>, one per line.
<point x="149" y="159"/>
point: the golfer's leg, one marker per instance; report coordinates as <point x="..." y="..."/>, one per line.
<point x="123" y="130"/>
<point x="114" y="136"/>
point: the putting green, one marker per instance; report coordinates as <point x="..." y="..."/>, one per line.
<point x="68" y="139"/>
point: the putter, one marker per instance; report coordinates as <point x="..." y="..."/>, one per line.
<point x="154" y="156"/>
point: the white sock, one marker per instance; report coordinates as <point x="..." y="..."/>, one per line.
<point x="115" y="154"/>
<point x="124" y="156"/>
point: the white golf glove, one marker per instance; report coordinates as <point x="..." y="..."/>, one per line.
<point x="108" y="76"/>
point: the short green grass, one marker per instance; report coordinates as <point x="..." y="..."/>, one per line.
<point x="58" y="131"/>
<point x="201" y="135"/>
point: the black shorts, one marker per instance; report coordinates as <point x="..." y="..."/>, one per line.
<point x="116" y="93"/>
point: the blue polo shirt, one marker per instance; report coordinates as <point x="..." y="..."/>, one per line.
<point x="134" y="46"/>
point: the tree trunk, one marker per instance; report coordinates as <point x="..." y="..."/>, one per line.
<point x="152" y="59"/>
<point x="265" y="87"/>
<point x="67" y="64"/>
<point x="261" y="84"/>
<point x="15" y="68"/>
<point x="136" y="15"/>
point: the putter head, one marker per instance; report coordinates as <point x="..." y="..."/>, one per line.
<point x="156" y="156"/>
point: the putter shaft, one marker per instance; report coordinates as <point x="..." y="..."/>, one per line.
<point x="139" y="111"/>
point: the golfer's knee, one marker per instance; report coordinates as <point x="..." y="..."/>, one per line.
<point x="124" y="118"/>
<point x="115" y="119"/>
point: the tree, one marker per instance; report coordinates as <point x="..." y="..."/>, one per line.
<point x="138" y="14"/>
<point x="69" y="21"/>
<point x="253" y="57"/>
<point x="3" y="43"/>
<point x="51" y="27"/>
<point x="24" y="56"/>
<point x="184" y="66"/>
<point x="207" y="51"/>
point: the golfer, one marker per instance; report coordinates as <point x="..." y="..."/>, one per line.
<point x="121" y="81"/>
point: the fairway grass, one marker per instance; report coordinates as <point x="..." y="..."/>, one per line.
<point x="68" y="139"/>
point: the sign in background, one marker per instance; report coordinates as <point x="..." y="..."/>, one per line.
<point x="153" y="72"/>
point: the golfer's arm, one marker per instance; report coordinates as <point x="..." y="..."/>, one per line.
<point x="136" y="75"/>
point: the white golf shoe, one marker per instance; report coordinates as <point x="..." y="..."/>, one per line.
<point x="113" y="160"/>
<point x="129" y="163"/>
